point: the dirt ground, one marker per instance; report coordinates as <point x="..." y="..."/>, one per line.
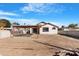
<point x="41" y="45"/>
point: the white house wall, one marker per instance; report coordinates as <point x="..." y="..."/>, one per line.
<point x="5" y="34"/>
<point x="51" y="31"/>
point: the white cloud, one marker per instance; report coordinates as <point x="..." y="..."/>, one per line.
<point x="33" y="7"/>
<point x="8" y="13"/>
<point x="29" y="21"/>
<point x="21" y="20"/>
<point x="43" y="7"/>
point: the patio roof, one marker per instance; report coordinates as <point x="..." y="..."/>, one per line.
<point x="26" y="26"/>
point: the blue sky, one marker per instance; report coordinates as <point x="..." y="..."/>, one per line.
<point x="32" y="13"/>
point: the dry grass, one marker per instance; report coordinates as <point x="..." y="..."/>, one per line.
<point x="27" y="46"/>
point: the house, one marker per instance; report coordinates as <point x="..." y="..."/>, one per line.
<point x="40" y="28"/>
<point x="48" y="28"/>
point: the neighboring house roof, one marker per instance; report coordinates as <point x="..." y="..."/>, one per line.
<point x="42" y="22"/>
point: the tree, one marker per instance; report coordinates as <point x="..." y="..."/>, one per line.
<point x="62" y="26"/>
<point x="72" y="25"/>
<point x="4" y="23"/>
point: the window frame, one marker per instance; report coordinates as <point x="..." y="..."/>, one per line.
<point x="45" y="29"/>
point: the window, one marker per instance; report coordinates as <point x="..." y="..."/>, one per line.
<point x="53" y="28"/>
<point x="45" y="29"/>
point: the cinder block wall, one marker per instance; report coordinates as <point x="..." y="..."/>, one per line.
<point x="4" y="34"/>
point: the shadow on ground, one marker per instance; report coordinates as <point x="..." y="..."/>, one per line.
<point x="67" y="53"/>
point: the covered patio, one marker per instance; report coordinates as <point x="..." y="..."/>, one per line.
<point x="23" y="30"/>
